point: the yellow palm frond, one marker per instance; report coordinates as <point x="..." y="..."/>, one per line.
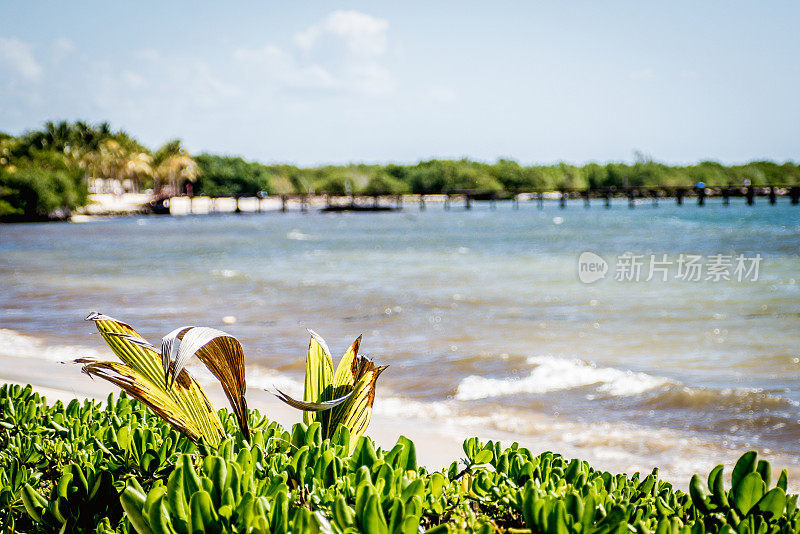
<point x="345" y="397"/>
<point x="141" y="374"/>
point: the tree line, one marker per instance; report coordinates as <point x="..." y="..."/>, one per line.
<point x="49" y="172"/>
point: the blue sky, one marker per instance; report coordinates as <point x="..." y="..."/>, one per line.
<point x="334" y="82"/>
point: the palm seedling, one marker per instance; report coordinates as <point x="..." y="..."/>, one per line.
<point x="344" y="397"/>
<point x="157" y="377"/>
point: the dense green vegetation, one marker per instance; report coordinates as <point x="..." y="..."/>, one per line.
<point x="117" y="467"/>
<point x="41" y="187"/>
<point x="439" y="176"/>
<point x="30" y="187"/>
<point x="46" y="173"/>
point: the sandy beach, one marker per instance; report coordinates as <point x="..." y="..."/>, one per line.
<point x="436" y="448"/>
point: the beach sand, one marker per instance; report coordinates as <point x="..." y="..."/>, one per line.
<point x="436" y="448"/>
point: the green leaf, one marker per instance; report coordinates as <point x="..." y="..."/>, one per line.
<point x="33" y="502"/>
<point x="483" y="457"/>
<point x="716" y="485"/>
<point x="396" y="513"/>
<point x="783" y="479"/>
<point x="748" y="492"/>
<point x="343" y="515"/>
<point x="133" y="501"/>
<point x="746" y="465"/>
<point x="773" y="502"/>
<point x="204" y="517"/>
<point x="470" y="447"/>
<point x="699" y="493"/>
<point x="765" y="470"/>
<point x="372" y="519"/>
<point x="406" y="458"/>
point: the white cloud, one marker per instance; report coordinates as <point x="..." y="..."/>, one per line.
<point x="134" y="80"/>
<point x="371" y="79"/>
<point x="342" y="64"/>
<point x="17" y="57"/>
<point x="362" y="34"/>
<point x="342" y="53"/>
<point x="281" y="68"/>
<point x="63" y="47"/>
<point x="156" y="85"/>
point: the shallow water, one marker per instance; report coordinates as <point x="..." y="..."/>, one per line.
<point x="480" y="313"/>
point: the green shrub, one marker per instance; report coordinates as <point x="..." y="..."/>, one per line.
<point x="225" y="176"/>
<point x="384" y="183"/>
<point x="116" y="467"/>
<point x="38" y="190"/>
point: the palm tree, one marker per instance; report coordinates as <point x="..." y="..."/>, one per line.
<point x="114" y="161"/>
<point x="136" y="167"/>
<point x="173" y="167"/>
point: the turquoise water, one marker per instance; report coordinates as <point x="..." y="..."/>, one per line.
<point x="479" y="313"/>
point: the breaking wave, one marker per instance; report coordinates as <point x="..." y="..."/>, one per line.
<point x="17" y="345"/>
<point x="557" y="374"/>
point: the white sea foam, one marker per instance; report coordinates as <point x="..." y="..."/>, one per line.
<point x="403" y="407"/>
<point x="297" y="235"/>
<point x="556" y="374"/>
<point x="225" y="273"/>
<point x="17" y="345"/>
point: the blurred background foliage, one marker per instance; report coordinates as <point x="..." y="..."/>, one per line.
<point x="48" y="173"/>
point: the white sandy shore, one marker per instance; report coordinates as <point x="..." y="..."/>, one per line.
<point x="435" y="447"/>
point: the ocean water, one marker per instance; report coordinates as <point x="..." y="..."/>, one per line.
<point x="481" y="314"/>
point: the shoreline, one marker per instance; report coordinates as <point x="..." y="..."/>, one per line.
<point x="65" y="381"/>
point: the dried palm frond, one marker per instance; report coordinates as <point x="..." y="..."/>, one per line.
<point x="222" y="354"/>
<point x="185" y="406"/>
<point x="344" y="397"/>
<point x="179" y="399"/>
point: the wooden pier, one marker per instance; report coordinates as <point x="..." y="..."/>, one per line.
<point x="604" y="197"/>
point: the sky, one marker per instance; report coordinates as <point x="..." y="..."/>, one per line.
<point x="336" y="82"/>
